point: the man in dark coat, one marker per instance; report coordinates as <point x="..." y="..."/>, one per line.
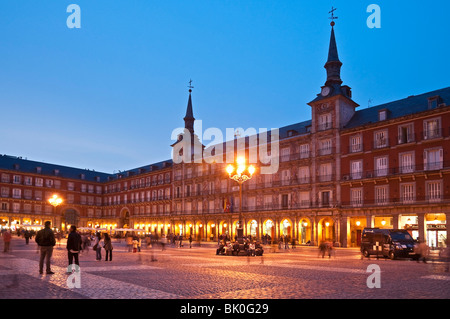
<point x="73" y="245"/>
<point x="46" y="240"/>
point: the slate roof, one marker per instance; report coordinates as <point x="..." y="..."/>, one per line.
<point x="410" y="105"/>
<point x="19" y="164"/>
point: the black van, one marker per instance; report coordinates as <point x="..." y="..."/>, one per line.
<point x="390" y="243"/>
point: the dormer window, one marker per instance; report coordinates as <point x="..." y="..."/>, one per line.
<point x="434" y="102"/>
<point x="382" y="115"/>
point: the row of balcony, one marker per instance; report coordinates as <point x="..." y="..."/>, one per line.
<point x="292" y="181"/>
<point x="406" y="169"/>
<point x="400" y="140"/>
<point x="288" y="206"/>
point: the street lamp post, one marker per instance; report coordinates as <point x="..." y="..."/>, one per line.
<point x="240" y="173"/>
<point x="55" y="201"/>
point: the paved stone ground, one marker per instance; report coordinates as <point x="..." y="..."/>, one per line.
<point x="197" y="273"/>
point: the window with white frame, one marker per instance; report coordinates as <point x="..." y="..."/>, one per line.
<point x="433" y="159"/>
<point x="304" y="199"/>
<point x="17" y="179"/>
<point x="356" y="196"/>
<point x="431" y="129"/>
<point x="325" y="147"/>
<point x="38" y="195"/>
<point x="303" y="174"/>
<point x="325" y="122"/>
<point x="381" y="166"/>
<point x="285" y="176"/>
<point x="28" y="180"/>
<point x="49" y="183"/>
<point x="381" y="195"/>
<point x="16" y="207"/>
<point x="406" y="162"/>
<point x="304" y="151"/>
<point x="434" y="191"/>
<point x="17" y="193"/>
<point x="381" y="139"/>
<point x="285" y="153"/>
<point x="5" y="192"/>
<point x="5" y="178"/>
<point x="356" y="169"/>
<point x="406" y="133"/>
<point x="355" y="143"/>
<point x="325" y="172"/>
<point x="325" y="198"/>
<point x="28" y="194"/>
<point x="4" y="207"/>
<point x="39" y="182"/>
<point x="407" y="193"/>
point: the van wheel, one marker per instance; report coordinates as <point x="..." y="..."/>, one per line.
<point x="391" y="255"/>
<point x="366" y="253"/>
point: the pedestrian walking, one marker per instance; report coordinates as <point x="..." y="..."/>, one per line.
<point x="108" y="247"/>
<point x="190" y="241"/>
<point x="98" y="243"/>
<point x="73" y="245"/>
<point x="58" y="238"/>
<point x="45" y="238"/>
<point x="27" y="236"/>
<point x="180" y="238"/>
<point x="322" y="249"/>
<point x="163" y="242"/>
<point x="6" y="241"/>
<point x="135" y="244"/>
<point x="422" y="251"/>
<point x="129" y="242"/>
<point x="139" y="242"/>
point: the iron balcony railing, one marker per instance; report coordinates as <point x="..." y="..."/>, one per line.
<point x="406" y="169"/>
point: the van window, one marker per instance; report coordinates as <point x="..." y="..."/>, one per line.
<point x="400" y="236"/>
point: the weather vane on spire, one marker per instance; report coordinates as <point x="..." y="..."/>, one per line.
<point x="190" y="86"/>
<point x="332" y="16"/>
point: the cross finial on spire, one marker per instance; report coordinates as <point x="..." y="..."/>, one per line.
<point x="190" y="86"/>
<point x="332" y="16"/>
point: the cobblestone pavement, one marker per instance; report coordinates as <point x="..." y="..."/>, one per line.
<point x="197" y="273"/>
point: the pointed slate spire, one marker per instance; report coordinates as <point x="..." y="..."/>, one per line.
<point x="333" y="65"/>
<point x="332" y="50"/>
<point x="189" y="118"/>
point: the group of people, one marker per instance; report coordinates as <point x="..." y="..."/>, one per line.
<point x="250" y="248"/>
<point x="46" y="240"/>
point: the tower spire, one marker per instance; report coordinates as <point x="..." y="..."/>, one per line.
<point x="333" y="64"/>
<point x="189" y="118"/>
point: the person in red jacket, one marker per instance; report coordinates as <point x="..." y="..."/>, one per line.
<point x="6" y="241"/>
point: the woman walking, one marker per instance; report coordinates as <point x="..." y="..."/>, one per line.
<point x="98" y="243"/>
<point x="108" y="247"/>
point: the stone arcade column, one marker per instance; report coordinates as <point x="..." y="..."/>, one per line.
<point x="344" y="224"/>
<point x="422" y="226"/>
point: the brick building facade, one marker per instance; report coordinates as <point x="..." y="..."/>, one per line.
<point x="343" y="170"/>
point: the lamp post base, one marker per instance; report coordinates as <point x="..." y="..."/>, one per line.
<point x="240" y="235"/>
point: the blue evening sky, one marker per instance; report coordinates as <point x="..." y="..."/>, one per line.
<point x="107" y="96"/>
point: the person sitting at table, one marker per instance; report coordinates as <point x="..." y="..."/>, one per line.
<point x="236" y="248"/>
<point x="251" y="249"/>
<point x="221" y="249"/>
<point x="259" y="249"/>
